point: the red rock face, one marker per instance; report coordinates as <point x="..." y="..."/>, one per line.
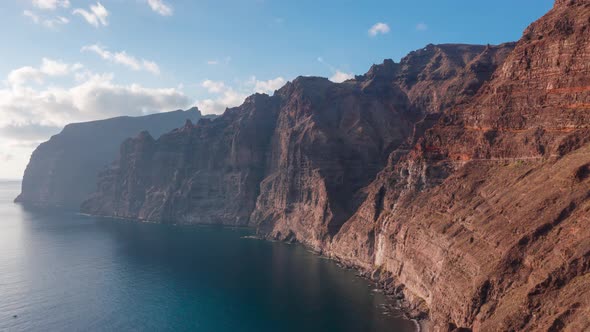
<point x="293" y="164"/>
<point x="459" y="177"/>
<point x="208" y="173"/>
<point x="536" y="100"/>
<point x="332" y="139"/>
<point x="483" y="221"/>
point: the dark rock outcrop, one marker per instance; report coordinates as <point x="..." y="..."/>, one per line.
<point x="63" y="171"/>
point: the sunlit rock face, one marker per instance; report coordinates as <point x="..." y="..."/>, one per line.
<point x="458" y="176"/>
<point x="485" y="220"/>
<point x="332" y="139"/>
<point x="204" y="173"/>
<point x="303" y="154"/>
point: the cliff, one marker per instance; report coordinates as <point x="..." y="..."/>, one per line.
<point x="332" y="140"/>
<point x="63" y="171"/>
<point x="204" y="173"/>
<point x="302" y="154"/>
<point x="485" y="220"/>
<point x="458" y="177"/>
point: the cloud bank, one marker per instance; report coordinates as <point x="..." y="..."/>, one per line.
<point x="33" y="107"/>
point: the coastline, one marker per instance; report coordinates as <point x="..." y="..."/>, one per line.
<point x="394" y="291"/>
<point x="386" y="284"/>
<point x="391" y="290"/>
<point x="383" y="282"/>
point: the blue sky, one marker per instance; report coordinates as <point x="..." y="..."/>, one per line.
<point x="64" y="62"/>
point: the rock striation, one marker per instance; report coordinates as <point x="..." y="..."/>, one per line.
<point x="457" y="178"/>
<point x="63" y="171"/>
<point x="333" y="139"/>
<point x="204" y="173"/>
<point x="485" y="220"/>
<point x="303" y="154"/>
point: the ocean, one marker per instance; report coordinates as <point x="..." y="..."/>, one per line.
<point x="62" y="271"/>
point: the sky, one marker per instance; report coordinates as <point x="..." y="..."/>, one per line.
<point x="66" y="61"/>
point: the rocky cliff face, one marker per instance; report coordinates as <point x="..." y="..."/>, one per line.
<point x="459" y="177"/>
<point x="208" y="173"/>
<point x="483" y="221"/>
<point x="63" y="171"/>
<point x="332" y="139"/>
<point x="303" y="154"/>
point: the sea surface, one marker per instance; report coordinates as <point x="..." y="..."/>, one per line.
<point x="61" y="271"/>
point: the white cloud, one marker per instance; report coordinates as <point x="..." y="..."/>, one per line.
<point x="96" y="16"/>
<point x="213" y="62"/>
<point x="30" y="111"/>
<point x="48" y="22"/>
<point x="23" y="75"/>
<point x="151" y="66"/>
<point x="48" y="68"/>
<point x="34" y="17"/>
<point x="51" y="4"/>
<point x="340" y="76"/>
<point x="5" y="157"/>
<point x="30" y="115"/>
<point x="213" y="86"/>
<point x="379" y="28"/>
<point x="123" y="58"/>
<point x="160" y="7"/>
<point x="226" y="97"/>
<point x="421" y="27"/>
<point x="229" y="96"/>
<point x="268" y="86"/>
<point x="56" y="68"/>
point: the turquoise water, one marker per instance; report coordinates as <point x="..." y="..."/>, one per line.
<point x="61" y="271"/>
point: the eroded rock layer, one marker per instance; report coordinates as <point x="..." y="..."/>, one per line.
<point x="293" y="163"/>
<point x="460" y="177"/>
<point x="208" y="173"/>
<point x="485" y="221"/>
<point x="332" y="139"/>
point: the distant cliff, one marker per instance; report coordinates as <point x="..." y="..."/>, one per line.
<point x="63" y="171"/>
<point x="459" y="177"/>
